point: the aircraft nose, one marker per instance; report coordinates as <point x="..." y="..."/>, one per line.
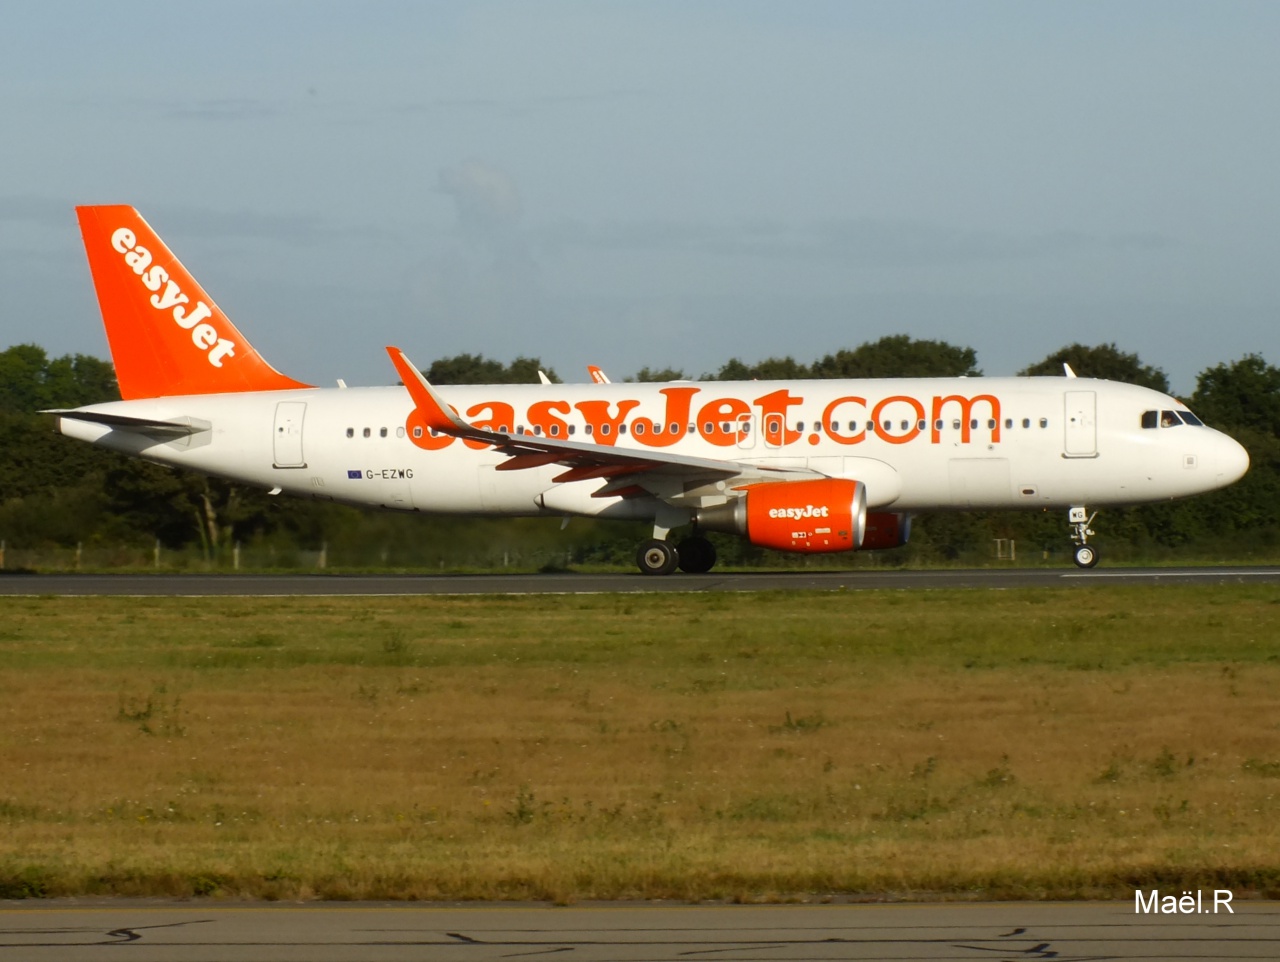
<point x="1233" y="460"/>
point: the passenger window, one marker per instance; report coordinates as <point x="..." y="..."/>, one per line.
<point x="921" y="425"/>
<point x="800" y="426"/>
<point x="639" y="428"/>
<point x="955" y="425"/>
<point x="571" y="428"/>
<point x="1044" y="422"/>
<point x="888" y="427"/>
<point x="1026" y="422"/>
<point x="351" y="432"/>
<point x="382" y="432"/>
<point x="906" y="425"/>
<point x="991" y="424"/>
<point x="708" y="427"/>
<point x="973" y="424"/>
<point x="555" y="430"/>
<point x="519" y="429"/>
<point x="587" y="428"/>
<point x="853" y="427"/>
<point x="1149" y="419"/>
<point x="871" y="427"/>
<point x="399" y="432"/>
<point x="417" y="432"/>
<point x="1008" y="423"/>
<point x="368" y="433"/>
<point x="937" y="425"/>
<point x="675" y="428"/>
<point x="605" y="429"/>
<point x="622" y="429"/>
<point x="537" y="429"/>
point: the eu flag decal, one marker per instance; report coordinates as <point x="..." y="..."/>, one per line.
<point x="354" y="475"/>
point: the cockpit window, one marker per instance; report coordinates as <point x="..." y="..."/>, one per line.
<point x="1169" y="419"/>
<point x="1150" y="419"/>
<point x="1191" y="419"/>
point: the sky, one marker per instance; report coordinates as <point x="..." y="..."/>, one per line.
<point x="661" y="184"/>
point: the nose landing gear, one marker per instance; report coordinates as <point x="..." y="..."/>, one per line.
<point x="1083" y="553"/>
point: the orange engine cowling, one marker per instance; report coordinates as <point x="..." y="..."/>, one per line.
<point x="828" y="514"/>
<point x="886" y="529"/>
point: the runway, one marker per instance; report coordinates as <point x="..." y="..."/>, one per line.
<point x="325" y="932"/>
<point x="193" y="585"/>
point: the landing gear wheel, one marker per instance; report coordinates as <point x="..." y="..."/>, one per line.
<point x="1084" y="555"/>
<point x="697" y="555"/>
<point x="656" y="557"/>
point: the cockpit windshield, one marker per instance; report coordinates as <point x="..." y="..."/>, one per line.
<point x="1169" y="419"/>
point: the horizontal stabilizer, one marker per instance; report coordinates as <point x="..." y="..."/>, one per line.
<point x="176" y="426"/>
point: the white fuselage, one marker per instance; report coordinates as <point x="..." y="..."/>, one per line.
<point x="934" y="443"/>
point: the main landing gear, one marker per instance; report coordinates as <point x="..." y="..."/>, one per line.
<point x="1083" y="554"/>
<point x="693" y="555"/>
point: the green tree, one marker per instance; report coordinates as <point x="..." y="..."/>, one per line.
<point x="770" y="369"/>
<point x="1243" y="394"/>
<point x="31" y="381"/>
<point x="478" y="369"/>
<point x="899" y="355"/>
<point x="1104" y="361"/>
<point x="661" y="374"/>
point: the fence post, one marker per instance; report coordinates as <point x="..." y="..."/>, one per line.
<point x="235" y="557"/>
<point x="157" y="553"/>
<point x="79" y="552"/>
<point x="323" y="561"/>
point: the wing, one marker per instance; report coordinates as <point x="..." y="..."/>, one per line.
<point x="674" y="478"/>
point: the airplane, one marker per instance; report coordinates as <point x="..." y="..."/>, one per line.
<point x="811" y="466"/>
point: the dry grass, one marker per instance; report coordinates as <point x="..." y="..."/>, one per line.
<point x="1039" y="743"/>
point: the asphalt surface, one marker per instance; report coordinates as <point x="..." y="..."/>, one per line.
<point x="320" y="584"/>
<point x="325" y="932"/>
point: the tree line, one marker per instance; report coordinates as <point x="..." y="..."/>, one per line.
<point x="56" y="492"/>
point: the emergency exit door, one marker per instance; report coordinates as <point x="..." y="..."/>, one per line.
<point x="288" y="434"/>
<point x="1081" y="419"/>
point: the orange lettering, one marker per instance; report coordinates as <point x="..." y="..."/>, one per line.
<point x="966" y="414"/>
<point x="675" y="419"/>
<point x="916" y="407"/>
<point x="716" y="414"/>
<point x="540" y="416"/>
<point x="501" y="415"/>
<point x="597" y="416"/>
<point x="773" y="417"/>
<point x="829" y="418"/>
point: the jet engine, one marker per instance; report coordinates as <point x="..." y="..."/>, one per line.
<point x="886" y="529"/>
<point x="827" y="514"/>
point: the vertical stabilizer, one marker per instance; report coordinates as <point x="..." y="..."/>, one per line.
<point x="167" y="336"/>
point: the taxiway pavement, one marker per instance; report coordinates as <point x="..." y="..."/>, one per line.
<point x="192" y="585"/>
<point x="325" y="932"/>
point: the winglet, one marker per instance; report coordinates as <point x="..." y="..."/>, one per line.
<point x="1066" y="370"/>
<point x="597" y="375"/>
<point x="435" y="413"/>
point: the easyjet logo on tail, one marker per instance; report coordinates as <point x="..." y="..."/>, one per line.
<point x="168" y="296"/>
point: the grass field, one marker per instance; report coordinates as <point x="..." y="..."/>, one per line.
<point x="1040" y="743"/>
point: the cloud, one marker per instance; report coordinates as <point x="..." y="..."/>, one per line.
<point x="866" y="240"/>
<point x="486" y="199"/>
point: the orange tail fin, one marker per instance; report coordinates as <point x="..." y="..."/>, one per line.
<point x="167" y="336"/>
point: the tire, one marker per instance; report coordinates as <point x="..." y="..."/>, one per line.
<point x="655" y="557"/>
<point x="697" y="555"/>
<point x="1084" y="555"/>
